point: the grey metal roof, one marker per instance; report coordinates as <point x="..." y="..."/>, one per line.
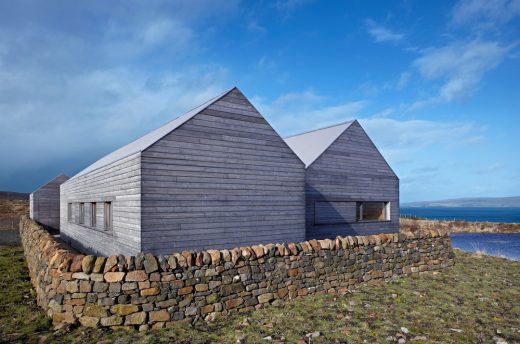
<point x="310" y="145"/>
<point x="62" y="177"/>
<point x="149" y="139"/>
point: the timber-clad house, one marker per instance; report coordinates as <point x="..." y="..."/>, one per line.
<point x="220" y="176"/>
<point x="44" y="202"/>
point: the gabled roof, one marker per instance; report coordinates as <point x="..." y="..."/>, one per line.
<point x="149" y="139"/>
<point x="62" y="177"/>
<point x="310" y="145"/>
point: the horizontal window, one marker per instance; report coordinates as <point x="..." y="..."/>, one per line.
<point x="373" y="211"/>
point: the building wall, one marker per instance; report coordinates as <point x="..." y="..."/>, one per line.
<point x="223" y="179"/>
<point x="350" y="170"/>
<point x="44" y="203"/>
<point x="118" y="183"/>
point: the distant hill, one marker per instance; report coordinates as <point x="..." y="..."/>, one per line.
<point x="13" y="195"/>
<point x="499" y="202"/>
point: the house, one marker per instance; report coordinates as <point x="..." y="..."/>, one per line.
<point x="218" y="176"/>
<point x="349" y="187"/>
<point x="44" y="203"/>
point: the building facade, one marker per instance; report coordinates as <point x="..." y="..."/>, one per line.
<point x="44" y="203"/>
<point x="349" y="187"/>
<point x="217" y="177"/>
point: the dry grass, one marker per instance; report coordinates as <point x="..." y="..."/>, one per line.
<point x="412" y="225"/>
<point x="13" y="208"/>
<point x="477" y="301"/>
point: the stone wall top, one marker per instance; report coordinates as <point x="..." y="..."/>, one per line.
<point x="59" y="257"/>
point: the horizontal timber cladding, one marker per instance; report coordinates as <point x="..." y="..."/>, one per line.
<point x="334" y="212"/>
<point x="118" y="183"/>
<point x="222" y="179"/>
<point x="350" y="170"/>
<point x="44" y="203"/>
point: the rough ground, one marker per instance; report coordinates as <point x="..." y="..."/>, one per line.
<point x="478" y="301"/>
<point x="13" y="208"/>
<point x="412" y="225"/>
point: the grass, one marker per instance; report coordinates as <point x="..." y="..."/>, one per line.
<point x="478" y="301"/>
<point x="410" y="224"/>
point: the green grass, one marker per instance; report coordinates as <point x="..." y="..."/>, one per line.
<point x="470" y="303"/>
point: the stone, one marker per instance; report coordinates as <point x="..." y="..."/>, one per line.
<point x="96" y="277"/>
<point x="71" y="287"/>
<point x="150" y="263"/>
<point x="215" y="256"/>
<point x="121" y="262"/>
<point x="135" y="319"/>
<point x="185" y="290"/>
<point x="113" y="320"/>
<point x="245" y="252"/>
<point x="139" y="260"/>
<point x="80" y="276"/>
<point x="112" y="277"/>
<point x="233" y="303"/>
<point x="191" y="311"/>
<point x="87" y="264"/>
<point x="124" y="309"/>
<point x="292" y="248"/>
<point x="85" y="287"/>
<point x="110" y="264"/>
<point x="99" y="263"/>
<point x="258" y="251"/>
<point x="199" y="259"/>
<point x="172" y="262"/>
<point x="161" y="315"/>
<point x="75" y="266"/>
<point x="163" y="263"/>
<point x="188" y="257"/>
<point x="281" y="293"/>
<point x="264" y="298"/>
<point x="136" y="276"/>
<point x="234" y="256"/>
<point x="65" y="317"/>
<point x="226" y="256"/>
<point x="211" y="298"/>
<point x="292" y="272"/>
<point x="94" y="310"/>
<point x="201" y="287"/>
<point x="315" y="245"/>
<point x="150" y="291"/>
<point x="206" y="258"/>
<point x="89" y="321"/>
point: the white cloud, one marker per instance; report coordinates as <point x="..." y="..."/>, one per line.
<point x="294" y="112"/>
<point x="484" y="13"/>
<point x="71" y="93"/>
<point x="381" y="33"/>
<point x="285" y="8"/>
<point x="460" y="66"/>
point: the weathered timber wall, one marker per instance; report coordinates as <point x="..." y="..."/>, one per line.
<point x="148" y="292"/>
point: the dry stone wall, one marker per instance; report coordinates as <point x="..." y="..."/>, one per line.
<point x="148" y="292"/>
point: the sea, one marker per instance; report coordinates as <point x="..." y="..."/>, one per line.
<point x="495" y="244"/>
<point x="475" y="214"/>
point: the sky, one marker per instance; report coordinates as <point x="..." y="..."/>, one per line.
<point x="436" y="84"/>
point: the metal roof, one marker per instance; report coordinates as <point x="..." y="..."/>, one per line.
<point x="60" y="177"/>
<point x="148" y="139"/>
<point x="310" y="145"/>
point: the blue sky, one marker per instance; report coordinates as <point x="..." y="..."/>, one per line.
<point x="436" y="84"/>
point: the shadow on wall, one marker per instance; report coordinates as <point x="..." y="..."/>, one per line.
<point x="329" y="217"/>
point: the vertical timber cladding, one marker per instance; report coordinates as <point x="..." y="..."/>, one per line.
<point x="224" y="178"/>
<point x="118" y="183"/>
<point x="349" y="171"/>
